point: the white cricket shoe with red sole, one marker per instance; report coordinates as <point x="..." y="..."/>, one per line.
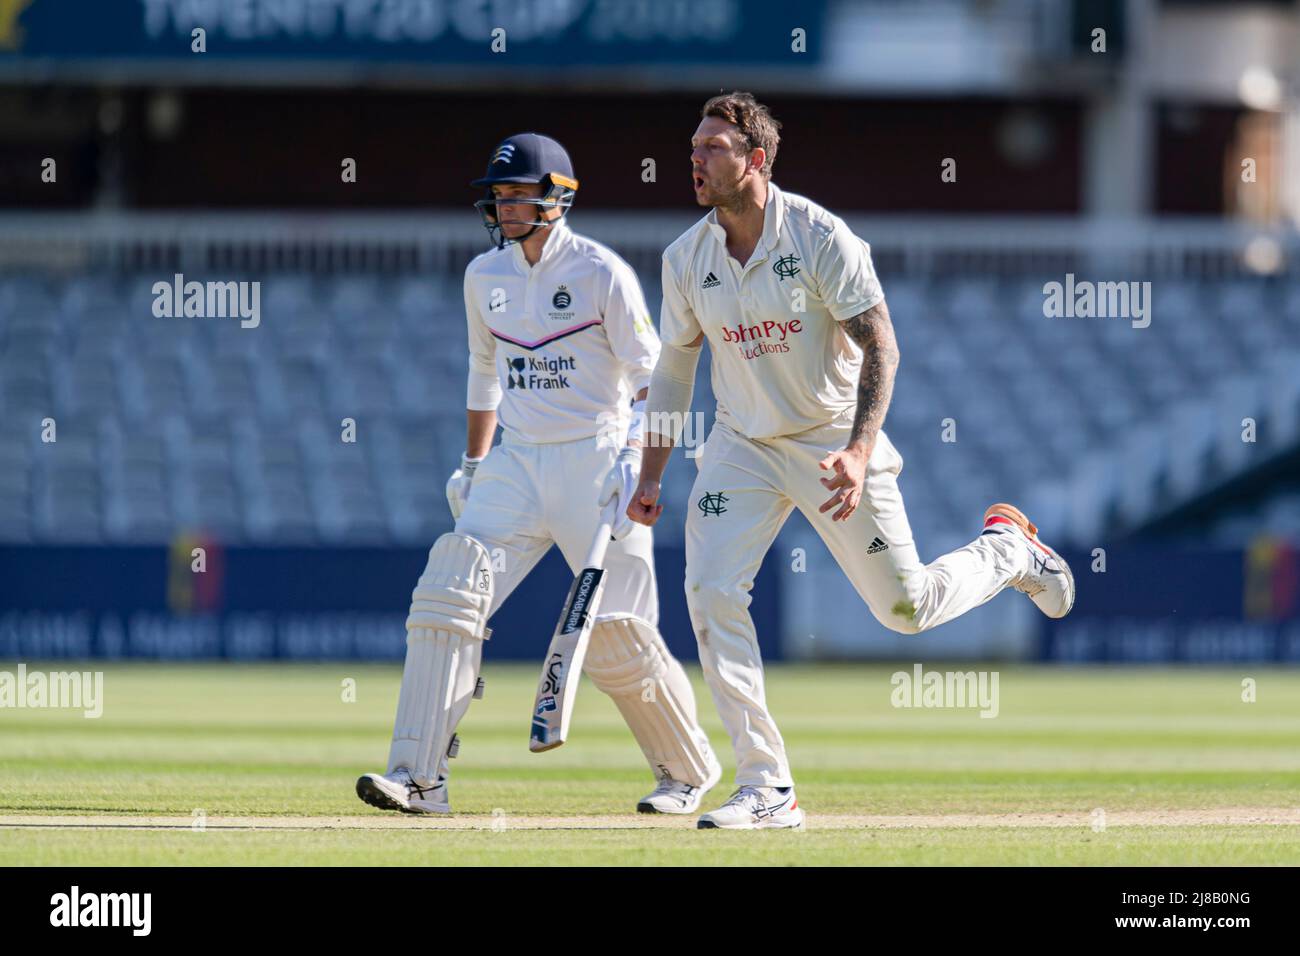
<point x="673" y="796"/>
<point x="1048" y="582"/>
<point x="755" y="808"/>
<point x="397" y="791"/>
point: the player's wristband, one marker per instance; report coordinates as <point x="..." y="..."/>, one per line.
<point x="636" y="430"/>
<point x="468" y="465"/>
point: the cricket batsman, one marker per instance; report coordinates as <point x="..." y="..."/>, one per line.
<point x="562" y="347"/>
<point x="804" y="358"/>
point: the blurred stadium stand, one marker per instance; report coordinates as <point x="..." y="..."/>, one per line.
<point x="174" y="424"/>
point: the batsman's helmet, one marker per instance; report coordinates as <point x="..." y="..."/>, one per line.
<point x="527" y="158"/>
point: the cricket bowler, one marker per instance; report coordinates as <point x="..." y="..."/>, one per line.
<point x="561" y="347"/>
<point x="803" y="368"/>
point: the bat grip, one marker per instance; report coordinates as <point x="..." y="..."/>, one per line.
<point x="600" y="540"/>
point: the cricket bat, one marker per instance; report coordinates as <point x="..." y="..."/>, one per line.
<point x="558" y="687"/>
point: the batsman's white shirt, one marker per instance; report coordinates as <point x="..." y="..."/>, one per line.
<point x="781" y="362"/>
<point x="569" y="338"/>
<point x="786" y="383"/>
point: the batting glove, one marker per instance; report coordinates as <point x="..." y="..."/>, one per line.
<point x="620" y="485"/>
<point x="458" y="484"/>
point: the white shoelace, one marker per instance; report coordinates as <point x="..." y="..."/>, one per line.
<point x="749" y="798"/>
<point x="669" y="787"/>
<point x="1031" y="588"/>
<point x="412" y="788"/>
<point x="1034" y="583"/>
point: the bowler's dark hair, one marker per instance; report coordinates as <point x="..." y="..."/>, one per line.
<point x="756" y="125"/>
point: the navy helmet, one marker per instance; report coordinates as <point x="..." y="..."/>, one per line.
<point x="527" y="158"/>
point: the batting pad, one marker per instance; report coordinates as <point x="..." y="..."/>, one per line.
<point x="628" y="660"/>
<point x="444" y="642"/>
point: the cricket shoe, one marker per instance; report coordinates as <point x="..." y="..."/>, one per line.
<point x="397" y="791"/>
<point x="673" y="796"/>
<point x="755" y="808"/>
<point x="1048" y="582"/>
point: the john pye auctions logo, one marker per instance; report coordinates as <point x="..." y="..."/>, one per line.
<point x="763" y="336"/>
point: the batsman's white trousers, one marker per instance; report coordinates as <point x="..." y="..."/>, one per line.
<point x="743" y="494"/>
<point x="526" y="496"/>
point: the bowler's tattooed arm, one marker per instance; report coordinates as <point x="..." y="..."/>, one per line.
<point x="873" y="331"/>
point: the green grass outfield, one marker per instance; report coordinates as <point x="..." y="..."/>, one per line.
<point x="244" y="765"/>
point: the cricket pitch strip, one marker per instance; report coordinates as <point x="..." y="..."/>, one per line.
<point x="1224" y="816"/>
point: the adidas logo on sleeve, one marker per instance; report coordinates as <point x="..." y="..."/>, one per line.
<point x="877" y="546"/>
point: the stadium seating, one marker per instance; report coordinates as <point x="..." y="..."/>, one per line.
<point x="171" y="424"/>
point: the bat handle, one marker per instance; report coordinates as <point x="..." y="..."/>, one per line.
<point x="600" y="540"/>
